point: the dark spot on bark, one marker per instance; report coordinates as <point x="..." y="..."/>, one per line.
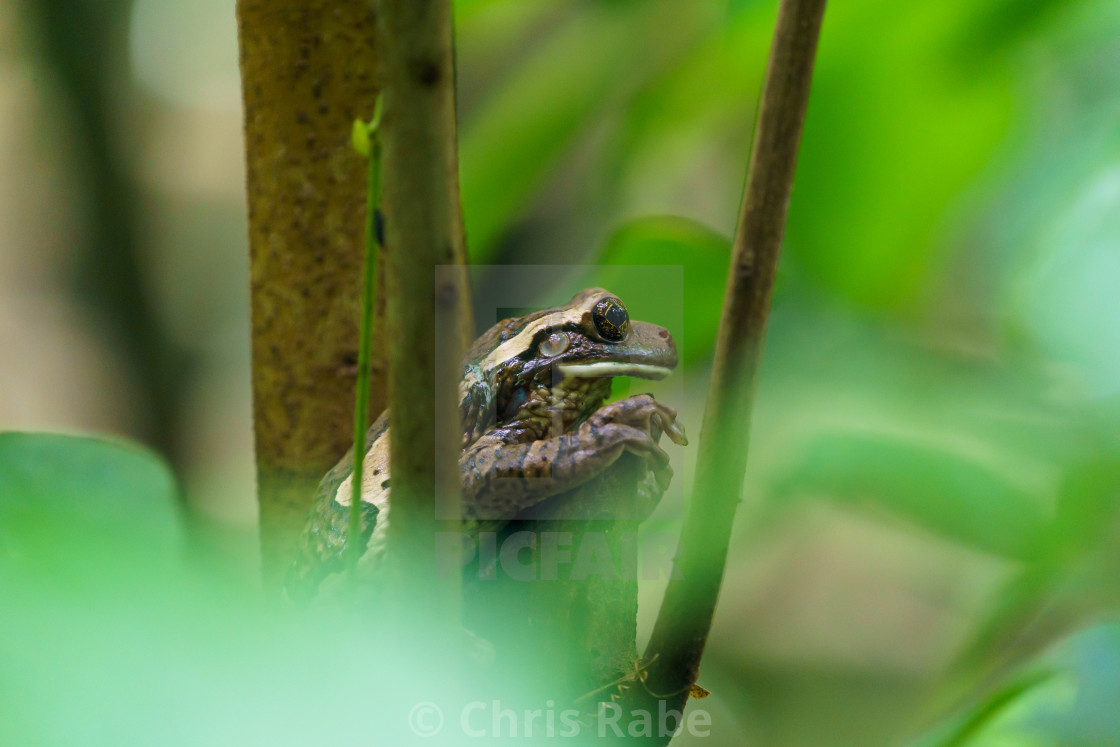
<point x="446" y="295"/>
<point x="384" y="484"/>
<point x="348" y="364"/>
<point x="302" y="118"/>
<point x="427" y="72"/>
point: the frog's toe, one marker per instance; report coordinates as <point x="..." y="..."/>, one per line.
<point x="636" y="440"/>
<point x="671" y="428"/>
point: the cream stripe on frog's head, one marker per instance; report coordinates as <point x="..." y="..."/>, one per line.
<point x="594" y="339"/>
<point x="590" y="337"/>
<point x="577" y="311"/>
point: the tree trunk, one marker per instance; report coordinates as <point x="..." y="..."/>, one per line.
<point x="308" y="70"/>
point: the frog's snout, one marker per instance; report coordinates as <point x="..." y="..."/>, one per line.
<point x="651" y="345"/>
<point x="647" y="352"/>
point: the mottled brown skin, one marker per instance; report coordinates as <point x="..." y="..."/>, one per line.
<point x="511" y="469"/>
<point x="529" y="432"/>
<point x="322" y="546"/>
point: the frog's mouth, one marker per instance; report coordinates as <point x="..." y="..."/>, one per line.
<point x="647" y="353"/>
<point x="610" y="369"/>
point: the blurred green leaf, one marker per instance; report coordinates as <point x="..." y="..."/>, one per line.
<point x="703" y="255"/>
<point x="1088" y="506"/>
<point x="683" y="142"/>
<point x="939" y="490"/>
<point x="111" y="634"/>
<point x="962" y="729"/>
<point x="518" y="137"/>
<point x="1065" y="698"/>
<point x="1073" y="578"/>
<point x="897" y="128"/>
<point x="1001" y="24"/>
<point x="1054" y="228"/>
<point x="56" y="487"/>
<point x="522" y="132"/>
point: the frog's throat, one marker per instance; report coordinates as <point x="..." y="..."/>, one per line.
<point x="549" y="411"/>
<point x="610" y="369"/>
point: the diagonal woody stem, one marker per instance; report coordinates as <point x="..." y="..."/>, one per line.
<point x="684" y="620"/>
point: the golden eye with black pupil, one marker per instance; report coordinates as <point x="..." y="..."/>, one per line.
<point x="611" y="319"/>
<point x="555" y="344"/>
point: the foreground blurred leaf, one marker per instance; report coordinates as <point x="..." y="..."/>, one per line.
<point x="937" y="489"/>
<point x="1066" y="698"/>
<point x="129" y="659"/>
<point x="55" y="487"/>
<point x="1074" y="577"/>
<point x="111" y="634"/>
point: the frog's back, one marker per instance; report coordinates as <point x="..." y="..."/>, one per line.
<point x="322" y="545"/>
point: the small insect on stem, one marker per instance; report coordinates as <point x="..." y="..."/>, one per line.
<point x="641" y="674"/>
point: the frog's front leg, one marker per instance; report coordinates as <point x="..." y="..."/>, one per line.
<point x="644" y="412"/>
<point x="502" y="478"/>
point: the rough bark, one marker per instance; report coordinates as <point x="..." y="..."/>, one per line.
<point x="308" y="69"/>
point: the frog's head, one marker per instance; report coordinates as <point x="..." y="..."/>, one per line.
<point x="570" y="353"/>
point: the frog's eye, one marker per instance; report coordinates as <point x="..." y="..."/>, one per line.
<point x="555" y="344"/>
<point x="611" y="319"/>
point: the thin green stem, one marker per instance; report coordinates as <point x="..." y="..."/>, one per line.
<point x="365" y="345"/>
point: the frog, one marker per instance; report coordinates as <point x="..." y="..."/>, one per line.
<point x="535" y="424"/>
